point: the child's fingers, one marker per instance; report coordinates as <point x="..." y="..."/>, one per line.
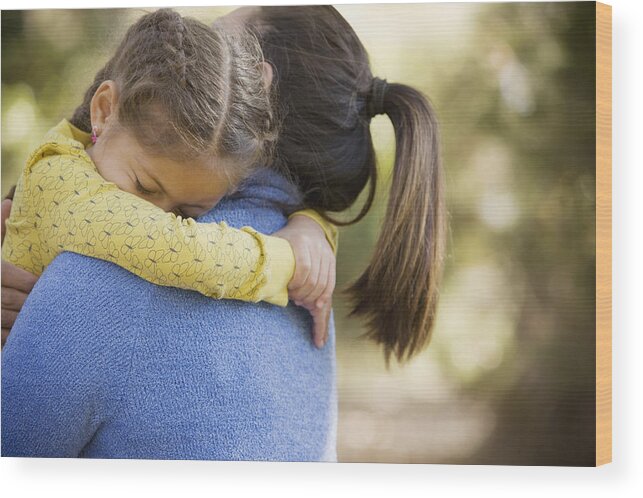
<point x="327" y="293"/>
<point x="310" y="284"/>
<point x="303" y="263"/>
<point x="319" y="285"/>
<point x="320" y="325"/>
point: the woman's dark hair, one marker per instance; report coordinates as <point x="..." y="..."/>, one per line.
<point x="186" y="90"/>
<point x="327" y="96"/>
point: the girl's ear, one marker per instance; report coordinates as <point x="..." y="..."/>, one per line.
<point x="103" y="105"/>
<point x="267" y="71"/>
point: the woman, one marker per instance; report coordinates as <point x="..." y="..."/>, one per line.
<point x="179" y="377"/>
<point x="258" y="400"/>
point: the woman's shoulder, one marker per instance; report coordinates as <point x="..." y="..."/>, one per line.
<point x="85" y="291"/>
<point x="86" y="315"/>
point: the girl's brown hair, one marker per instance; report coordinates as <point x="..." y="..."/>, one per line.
<point x="186" y="90"/>
<point x="327" y="96"/>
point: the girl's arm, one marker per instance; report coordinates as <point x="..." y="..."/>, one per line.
<point x="300" y="232"/>
<point x="63" y="204"/>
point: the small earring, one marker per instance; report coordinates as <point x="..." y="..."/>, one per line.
<point x="94" y="134"/>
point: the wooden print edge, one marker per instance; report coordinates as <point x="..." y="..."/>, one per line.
<point x="603" y="233"/>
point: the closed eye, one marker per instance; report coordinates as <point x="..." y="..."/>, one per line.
<point x="142" y="189"/>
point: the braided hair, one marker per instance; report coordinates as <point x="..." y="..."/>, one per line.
<point x="185" y="90"/>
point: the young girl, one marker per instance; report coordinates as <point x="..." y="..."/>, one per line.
<point x="179" y="117"/>
<point x="328" y="96"/>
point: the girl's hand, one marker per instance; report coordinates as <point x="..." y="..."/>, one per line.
<point x="16" y="284"/>
<point x="313" y="282"/>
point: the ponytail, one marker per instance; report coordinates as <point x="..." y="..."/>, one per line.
<point x="398" y="292"/>
<point x="327" y="96"/>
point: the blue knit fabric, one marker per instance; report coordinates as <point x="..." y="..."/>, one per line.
<point x="103" y="364"/>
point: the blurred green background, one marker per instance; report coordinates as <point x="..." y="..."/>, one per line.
<point x="509" y="375"/>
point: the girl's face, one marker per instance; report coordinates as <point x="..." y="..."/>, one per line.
<point x="186" y="189"/>
<point x="189" y="190"/>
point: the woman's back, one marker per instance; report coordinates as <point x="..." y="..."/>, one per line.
<point x="118" y="367"/>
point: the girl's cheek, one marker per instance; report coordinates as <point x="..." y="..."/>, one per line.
<point x="114" y="172"/>
<point x="121" y="180"/>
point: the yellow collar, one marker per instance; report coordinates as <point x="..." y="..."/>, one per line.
<point x="68" y="133"/>
<point x="64" y="138"/>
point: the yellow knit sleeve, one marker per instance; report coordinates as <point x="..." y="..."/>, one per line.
<point x="330" y="230"/>
<point x="68" y="206"/>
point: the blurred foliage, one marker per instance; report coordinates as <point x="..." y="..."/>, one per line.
<point x="509" y="375"/>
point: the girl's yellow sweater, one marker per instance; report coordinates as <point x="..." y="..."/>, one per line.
<point x="62" y="203"/>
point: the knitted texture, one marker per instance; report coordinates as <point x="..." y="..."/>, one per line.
<point x="103" y="364"/>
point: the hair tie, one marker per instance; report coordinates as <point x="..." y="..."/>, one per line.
<point x="376" y="99"/>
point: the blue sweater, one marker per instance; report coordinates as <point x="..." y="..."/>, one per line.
<point x="103" y="364"/>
